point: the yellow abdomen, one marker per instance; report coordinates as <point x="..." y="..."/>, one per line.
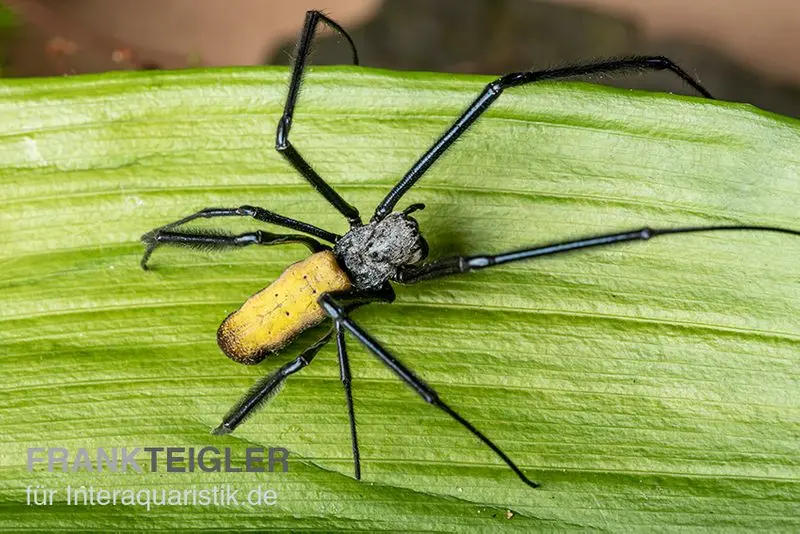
<point x="274" y="316"/>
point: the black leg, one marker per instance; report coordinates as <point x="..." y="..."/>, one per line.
<point x="282" y="144"/>
<point x="259" y="214"/>
<point x="211" y="239"/>
<point x="462" y="264"/>
<point x="339" y="314"/>
<point x="344" y="373"/>
<point x="352" y="300"/>
<point x="493" y="91"/>
<point x="266" y="388"/>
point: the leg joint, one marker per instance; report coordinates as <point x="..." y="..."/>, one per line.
<point x="659" y="62"/>
<point x="331" y="307"/>
<point x="509" y="80"/>
<point x="247" y="211"/>
<point x="282" y="134"/>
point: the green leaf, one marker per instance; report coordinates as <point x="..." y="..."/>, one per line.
<point x="650" y="384"/>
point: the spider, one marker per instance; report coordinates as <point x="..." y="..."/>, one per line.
<point x="358" y="268"/>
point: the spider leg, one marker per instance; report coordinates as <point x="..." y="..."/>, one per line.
<point x="339" y="314"/>
<point x="266" y="388"/>
<point x="282" y="144"/>
<point x="463" y="264"/>
<point x="257" y="213"/>
<point x="355" y="299"/>
<point x="346" y="377"/>
<point x="211" y="239"/>
<point x="515" y="79"/>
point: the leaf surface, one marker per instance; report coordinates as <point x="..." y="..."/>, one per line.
<point x="645" y="385"/>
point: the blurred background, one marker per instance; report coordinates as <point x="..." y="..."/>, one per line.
<point x="742" y="50"/>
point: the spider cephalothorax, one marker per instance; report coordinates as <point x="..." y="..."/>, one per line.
<point x="374" y="253"/>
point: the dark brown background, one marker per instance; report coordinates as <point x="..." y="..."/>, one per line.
<point x="744" y="50"/>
